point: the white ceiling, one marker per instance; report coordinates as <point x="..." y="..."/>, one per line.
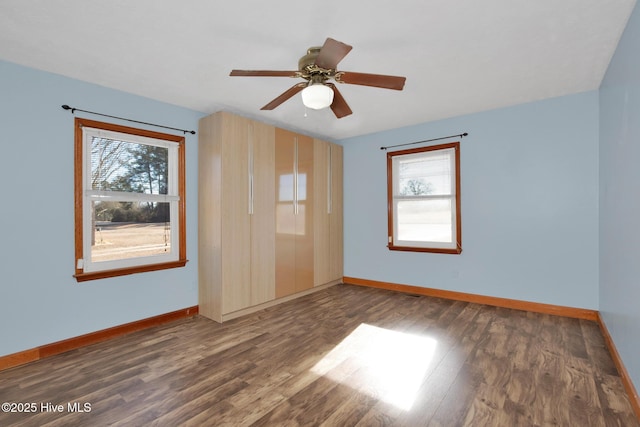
<point x="459" y="56"/>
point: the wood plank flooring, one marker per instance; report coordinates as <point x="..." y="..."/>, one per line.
<point x="344" y="356"/>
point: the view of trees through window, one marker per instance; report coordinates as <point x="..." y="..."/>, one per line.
<point x="126" y="227"/>
<point x="415" y="187"/>
<point x="132" y="168"/>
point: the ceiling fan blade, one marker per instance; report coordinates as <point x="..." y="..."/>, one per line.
<point x="284" y="96"/>
<point x="263" y="73"/>
<point x="374" y="80"/>
<point x="331" y="53"/>
<point x="339" y="106"/>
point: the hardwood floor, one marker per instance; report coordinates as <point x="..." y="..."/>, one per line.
<point x="345" y="356"/>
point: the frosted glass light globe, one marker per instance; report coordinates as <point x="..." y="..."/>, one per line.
<point x="317" y="96"/>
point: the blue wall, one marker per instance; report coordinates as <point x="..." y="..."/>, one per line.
<point x="529" y="177"/>
<point x="40" y="301"/>
<point x="620" y="198"/>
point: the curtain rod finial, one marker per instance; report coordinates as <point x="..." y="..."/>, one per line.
<point x="66" y="107"/>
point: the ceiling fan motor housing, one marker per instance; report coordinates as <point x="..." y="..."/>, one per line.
<point x="307" y="62"/>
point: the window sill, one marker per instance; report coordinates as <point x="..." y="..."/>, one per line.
<point x="419" y="249"/>
<point x="94" y="275"/>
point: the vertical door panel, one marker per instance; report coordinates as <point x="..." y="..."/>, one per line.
<point x="235" y="225"/>
<point x="336" y="252"/>
<point x="304" y="231"/>
<point x="285" y="221"/>
<point x="321" y="218"/>
<point x="209" y="238"/>
<point x="263" y="219"/>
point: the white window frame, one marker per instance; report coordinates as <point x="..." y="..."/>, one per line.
<point x="452" y="150"/>
<point x="176" y="257"/>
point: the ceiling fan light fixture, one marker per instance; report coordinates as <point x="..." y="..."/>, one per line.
<point x="317" y="67"/>
<point x="317" y="96"/>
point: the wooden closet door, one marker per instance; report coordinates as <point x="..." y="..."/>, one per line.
<point x="263" y="216"/>
<point x="285" y="243"/>
<point x="336" y="244"/>
<point x="294" y="212"/>
<point x="235" y="221"/>
<point x="328" y="212"/>
<point x="304" y="234"/>
<point x="322" y="231"/>
<point x="209" y="214"/>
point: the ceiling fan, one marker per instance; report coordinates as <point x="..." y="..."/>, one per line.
<point x="317" y="67"/>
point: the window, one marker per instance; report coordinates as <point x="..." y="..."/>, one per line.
<point x="424" y="199"/>
<point x="129" y="200"/>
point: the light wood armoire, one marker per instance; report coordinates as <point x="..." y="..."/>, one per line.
<point x="269" y="215"/>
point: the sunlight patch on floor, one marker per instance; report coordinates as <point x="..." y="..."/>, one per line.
<point x="383" y="363"/>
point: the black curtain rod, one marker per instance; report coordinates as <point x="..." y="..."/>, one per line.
<point x="462" y="135"/>
<point x="73" y="110"/>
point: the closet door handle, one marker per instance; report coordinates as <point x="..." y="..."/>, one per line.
<point x="295" y="176"/>
<point x="329" y="181"/>
<point x="250" y="170"/>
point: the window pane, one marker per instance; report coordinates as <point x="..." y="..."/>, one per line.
<point x="424" y="174"/>
<point x="424" y="220"/>
<point x="128" y="166"/>
<point x="125" y="230"/>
